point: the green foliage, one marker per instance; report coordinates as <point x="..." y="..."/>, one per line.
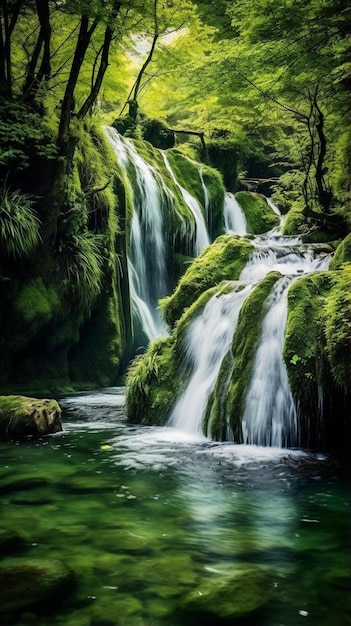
<point x="24" y="135"/>
<point x="260" y="217"/>
<point x="223" y="260"/>
<point x="79" y="269"/>
<point x="19" y="224"/>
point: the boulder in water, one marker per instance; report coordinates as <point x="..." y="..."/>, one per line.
<point x="21" y="416"/>
<point x="33" y="584"/>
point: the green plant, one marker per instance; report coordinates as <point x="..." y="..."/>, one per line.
<point x="79" y="265"/>
<point x="19" y="223"/>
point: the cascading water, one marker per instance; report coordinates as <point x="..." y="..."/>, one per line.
<point x="269" y="417"/>
<point x="201" y="235"/>
<point x="147" y="262"/>
<point x="234" y="216"/>
<point x="207" y="341"/>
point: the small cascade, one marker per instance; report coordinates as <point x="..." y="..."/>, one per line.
<point x="207" y="340"/>
<point x="269" y="416"/>
<point x="147" y="261"/>
<point x="201" y="235"/>
<point x="234" y="216"/>
<point x="207" y="197"/>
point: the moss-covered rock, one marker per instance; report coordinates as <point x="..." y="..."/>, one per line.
<point x="260" y="217"/>
<point x="33" y="584"/>
<point x="342" y="254"/>
<point x="338" y="328"/>
<point x="230" y="597"/>
<point x="223" y="260"/>
<point x="21" y="416"/>
<point x="317" y="354"/>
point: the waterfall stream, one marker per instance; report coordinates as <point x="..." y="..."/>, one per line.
<point x="148" y="257"/>
<point x="201" y="235"/>
<point x="269" y="417"/>
<point x="234" y="216"/>
<point x="207" y="340"/>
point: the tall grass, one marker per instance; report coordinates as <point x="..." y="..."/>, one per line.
<point x="19" y="223"/>
<point x="79" y="263"/>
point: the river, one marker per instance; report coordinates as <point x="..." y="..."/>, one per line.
<point x="162" y="528"/>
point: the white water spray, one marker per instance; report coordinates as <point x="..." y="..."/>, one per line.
<point x="270" y="417"/>
<point x="201" y="235"/>
<point x="208" y="339"/>
<point x="147" y="263"/>
<point x="234" y="216"/>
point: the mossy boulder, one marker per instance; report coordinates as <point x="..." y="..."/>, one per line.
<point x="317" y="354"/>
<point x="230" y="597"/>
<point x="21" y="416"/>
<point x="342" y="254"/>
<point x="260" y="217"/>
<point x="33" y="584"/>
<point x="223" y="260"/>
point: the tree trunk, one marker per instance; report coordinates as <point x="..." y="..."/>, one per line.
<point x="68" y="105"/>
<point x="8" y="18"/>
<point x="105" y="49"/>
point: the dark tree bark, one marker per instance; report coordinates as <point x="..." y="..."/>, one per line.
<point x="35" y="76"/>
<point x="65" y="142"/>
<point x="103" y="54"/>
<point x="9" y="12"/>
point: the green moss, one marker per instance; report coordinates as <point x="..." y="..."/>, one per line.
<point x="338" y="327"/>
<point x="228" y="597"/>
<point x="303" y="348"/>
<point x="259" y="216"/>
<point x="223" y="260"/>
<point x="152" y="383"/>
<point x="227" y="401"/>
<point x="342" y="254"/>
<point x="296" y="224"/>
<point x="22" y="416"/>
<point x="35" y="304"/>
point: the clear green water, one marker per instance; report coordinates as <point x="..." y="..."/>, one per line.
<point x="165" y="531"/>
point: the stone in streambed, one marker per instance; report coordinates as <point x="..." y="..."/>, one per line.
<point x="21" y="416"/>
<point x="228" y="597"/>
<point x="33" y="584"/>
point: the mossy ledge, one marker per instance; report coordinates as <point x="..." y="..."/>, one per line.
<point x="223" y="260"/>
<point x="260" y="217"/>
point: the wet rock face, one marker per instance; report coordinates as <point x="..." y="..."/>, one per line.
<point x="21" y="416"/>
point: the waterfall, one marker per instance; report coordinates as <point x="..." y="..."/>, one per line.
<point x="269" y="417"/>
<point x="234" y="216"/>
<point x="147" y="262"/>
<point x="201" y="235"/>
<point x="207" y="340"/>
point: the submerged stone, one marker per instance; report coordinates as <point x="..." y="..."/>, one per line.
<point x="33" y="584"/>
<point x="21" y="416"/>
<point x="232" y="596"/>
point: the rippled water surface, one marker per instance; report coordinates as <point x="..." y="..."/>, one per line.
<point x="162" y="529"/>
